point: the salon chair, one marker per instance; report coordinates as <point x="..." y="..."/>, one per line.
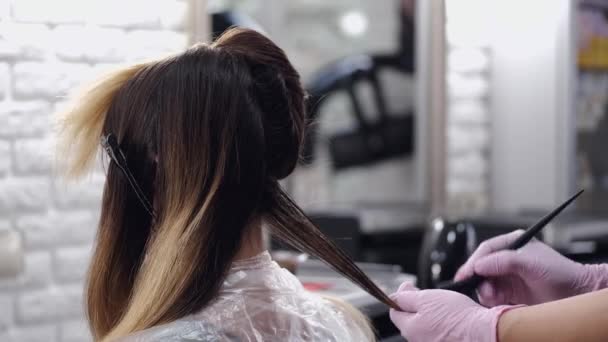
<point x="372" y="141"/>
<point x="389" y="135"/>
<point x="385" y="137"/>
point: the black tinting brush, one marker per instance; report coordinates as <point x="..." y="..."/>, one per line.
<point x="468" y="286"/>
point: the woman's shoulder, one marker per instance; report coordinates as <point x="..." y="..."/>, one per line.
<point x="264" y="302"/>
<point x="181" y="330"/>
<point x="272" y="314"/>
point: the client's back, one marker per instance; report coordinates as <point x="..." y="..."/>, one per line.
<point x="260" y="301"/>
<point x="197" y="145"/>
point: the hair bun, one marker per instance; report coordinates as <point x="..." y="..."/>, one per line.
<point x="282" y="119"/>
<point x="279" y="95"/>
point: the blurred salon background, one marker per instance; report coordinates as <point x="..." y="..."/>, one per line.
<point x="435" y="124"/>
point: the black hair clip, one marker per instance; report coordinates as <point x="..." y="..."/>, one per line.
<point x="110" y="145"/>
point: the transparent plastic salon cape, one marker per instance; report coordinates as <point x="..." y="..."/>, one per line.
<point x="260" y="301"/>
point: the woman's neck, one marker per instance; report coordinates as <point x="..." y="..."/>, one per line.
<point x="252" y="244"/>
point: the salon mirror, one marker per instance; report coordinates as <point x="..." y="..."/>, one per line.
<point x="356" y="59"/>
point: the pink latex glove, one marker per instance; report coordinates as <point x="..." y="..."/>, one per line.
<point x="530" y="275"/>
<point x="440" y="315"/>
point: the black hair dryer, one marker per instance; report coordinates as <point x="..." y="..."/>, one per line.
<point x="446" y="246"/>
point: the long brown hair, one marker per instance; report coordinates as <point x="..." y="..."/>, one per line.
<point x="207" y="134"/>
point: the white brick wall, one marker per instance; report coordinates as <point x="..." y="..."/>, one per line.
<point x="5" y="157"/>
<point x="46" y="49"/>
<point x="6" y="314"/>
<point x="24" y="118"/>
<point x="30" y="333"/>
<point x="468" y="117"/>
<point x="33" y="156"/>
<point x="468" y="141"/>
<point x="74" y="331"/>
<point x="4" y="80"/>
<point x="37" y="273"/>
<point x="70" y="264"/>
<point x="25" y="194"/>
<point x="24" y="42"/>
<point x="43" y="230"/>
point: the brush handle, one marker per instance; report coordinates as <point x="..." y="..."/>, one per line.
<point x="468" y="286"/>
<point x="531" y="232"/>
<point x="465" y="286"/>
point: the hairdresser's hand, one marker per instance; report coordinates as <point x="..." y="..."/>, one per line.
<point x="441" y="315"/>
<point x="531" y="275"/>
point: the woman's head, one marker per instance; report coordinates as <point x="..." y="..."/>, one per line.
<point x="207" y="134"/>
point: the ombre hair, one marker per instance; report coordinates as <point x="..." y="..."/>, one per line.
<point x="207" y="134"/>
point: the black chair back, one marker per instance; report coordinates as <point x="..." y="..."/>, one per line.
<point x="386" y="137"/>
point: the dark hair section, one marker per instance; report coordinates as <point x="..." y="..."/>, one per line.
<point x="208" y="134"/>
<point x="281" y="99"/>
